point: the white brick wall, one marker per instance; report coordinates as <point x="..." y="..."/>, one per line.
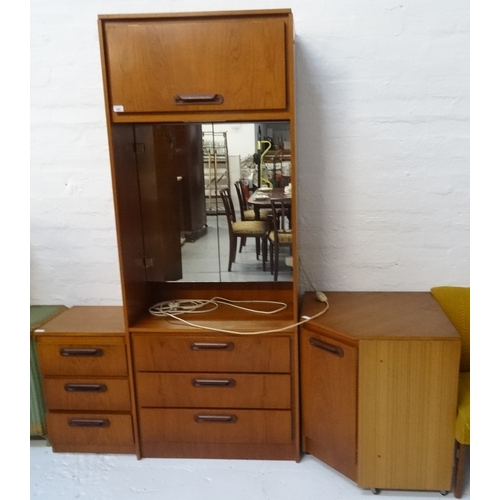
<point x="383" y="144"/>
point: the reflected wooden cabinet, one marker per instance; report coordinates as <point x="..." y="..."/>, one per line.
<point x="164" y="75"/>
<point x="379" y="375"/>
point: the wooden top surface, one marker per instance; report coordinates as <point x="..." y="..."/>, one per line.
<point x="82" y="320"/>
<point x="380" y="315"/>
<point x="224" y="319"/>
<point x="205" y="14"/>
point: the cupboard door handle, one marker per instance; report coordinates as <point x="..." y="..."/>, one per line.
<point x="326" y="347"/>
<point x="183" y="99"/>
<point x="215" y="419"/>
<point x="211" y="346"/>
<point x="76" y="351"/>
<point x="88" y="422"/>
<point x="85" y="387"/>
<point x="213" y="382"/>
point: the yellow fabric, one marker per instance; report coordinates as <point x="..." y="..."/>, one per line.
<point x="249" y="227"/>
<point x="462" y="424"/>
<point x="455" y="302"/>
<point x="250" y="214"/>
<point x="284" y="237"/>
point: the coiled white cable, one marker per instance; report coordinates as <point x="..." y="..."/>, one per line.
<point x="198" y="306"/>
<point x="175" y="308"/>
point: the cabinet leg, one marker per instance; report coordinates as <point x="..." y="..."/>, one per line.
<point x="375" y="491"/>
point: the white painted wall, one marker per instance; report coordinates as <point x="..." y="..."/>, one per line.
<point x="383" y="144"/>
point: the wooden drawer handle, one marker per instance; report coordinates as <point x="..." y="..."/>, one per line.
<point x="213" y="382"/>
<point x="215" y="419"/>
<point x="211" y="346"/>
<point x="326" y="347"/>
<point x="72" y="387"/>
<point x="88" y="422"/>
<point x="77" y="351"/>
<point x="183" y="99"/>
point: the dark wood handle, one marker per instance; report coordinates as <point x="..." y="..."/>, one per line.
<point x="213" y="382"/>
<point x="215" y="419"/>
<point x="88" y="422"/>
<point x="326" y="347"/>
<point x="72" y="387"/>
<point x="80" y="351"/>
<point x="183" y="99"/>
<point x="211" y="346"/>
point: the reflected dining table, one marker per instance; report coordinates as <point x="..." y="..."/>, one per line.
<point x="262" y="199"/>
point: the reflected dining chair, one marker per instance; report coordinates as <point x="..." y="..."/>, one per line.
<point x="246" y="211"/>
<point x="455" y="302"/>
<point x="280" y="235"/>
<point x="243" y="229"/>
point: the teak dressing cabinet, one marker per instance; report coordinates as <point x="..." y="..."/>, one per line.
<point x="197" y="393"/>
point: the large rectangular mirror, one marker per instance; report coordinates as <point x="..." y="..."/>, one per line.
<point x="182" y="211"/>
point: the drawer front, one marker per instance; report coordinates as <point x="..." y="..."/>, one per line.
<point x="190" y="390"/>
<point x="215" y="426"/>
<point x="90" y="429"/>
<point x="86" y="394"/>
<point x="84" y="357"/>
<point x="218" y="354"/>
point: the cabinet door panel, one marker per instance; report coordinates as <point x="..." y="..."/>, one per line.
<point x="329" y="387"/>
<point x="243" y="61"/>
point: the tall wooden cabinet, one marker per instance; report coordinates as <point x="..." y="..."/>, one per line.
<point x="199" y="392"/>
<point x="379" y="375"/>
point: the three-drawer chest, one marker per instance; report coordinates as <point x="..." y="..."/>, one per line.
<point x="85" y="378"/>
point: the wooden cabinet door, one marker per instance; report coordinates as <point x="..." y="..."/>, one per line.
<point x="173" y="65"/>
<point x="329" y="388"/>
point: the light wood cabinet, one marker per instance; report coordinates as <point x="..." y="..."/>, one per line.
<point x="379" y="375"/>
<point x="84" y="365"/>
<point x="200" y="392"/>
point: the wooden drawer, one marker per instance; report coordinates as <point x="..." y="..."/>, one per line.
<point x="82" y="356"/>
<point x="211" y="353"/>
<point x="240" y="62"/>
<point x="191" y="390"/>
<point x="88" y="432"/>
<point x="86" y="394"/>
<point x="215" y="426"/>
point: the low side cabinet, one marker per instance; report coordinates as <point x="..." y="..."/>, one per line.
<point x="379" y="377"/>
<point x="85" y="379"/>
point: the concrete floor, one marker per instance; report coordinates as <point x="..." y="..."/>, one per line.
<point x="64" y="476"/>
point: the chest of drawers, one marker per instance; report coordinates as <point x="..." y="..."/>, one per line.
<point x="85" y="379"/>
<point x="214" y="396"/>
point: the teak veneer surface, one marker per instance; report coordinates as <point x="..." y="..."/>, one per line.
<point x="225" y="318"/>
<point x="82" y="320"/>
<point x="389" y="315"/>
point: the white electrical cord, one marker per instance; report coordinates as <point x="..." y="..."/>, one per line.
<point x="198" y="306"/>
<point x="175" y="308"/>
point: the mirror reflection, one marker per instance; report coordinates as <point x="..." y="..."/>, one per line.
<point x="253" y="158"/>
